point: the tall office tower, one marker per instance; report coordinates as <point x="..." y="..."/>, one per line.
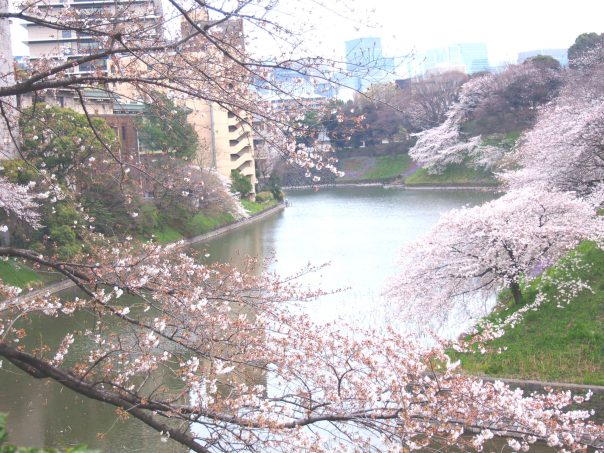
<point x="464" y="57"/>
<point x="366" y="64"/>
<point x="474" y="56"/>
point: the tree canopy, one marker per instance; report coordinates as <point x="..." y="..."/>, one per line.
<point x="473" y="252"/>
<point x="164" y="127"/>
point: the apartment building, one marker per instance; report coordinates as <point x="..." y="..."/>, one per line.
<point x="226" y="141"/>
<point x="226" y="135"/>
<point x="45" y="42"/>
<point x="7" y="77"/>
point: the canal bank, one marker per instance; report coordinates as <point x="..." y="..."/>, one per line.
<point x="392" y="185"/>
<point x="184" y="243"/>
<point x="594" y="403"/>
<point x="359" y="229"/>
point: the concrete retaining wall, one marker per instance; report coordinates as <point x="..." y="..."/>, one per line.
<point x="233" y="226"/>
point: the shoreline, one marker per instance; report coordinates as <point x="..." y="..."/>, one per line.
<point x="386" y="185"/>
<point x="232" y="226"/>
<point x="62" y="285"/>
<point x="596" y="403"/>
<point x="528" y="383"/>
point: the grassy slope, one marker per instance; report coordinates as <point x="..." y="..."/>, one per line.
<point x="203" y="222"/>
<point x="387" y="167"/>
<point x="17" y="274"/>
<point x="374" y="168"/>
<point x="167" y="234"/>
<point x="554" y="344"/>
<point x="455" y="174"/>
<point x="253" y="207"/>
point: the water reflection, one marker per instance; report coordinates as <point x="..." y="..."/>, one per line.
<point x="358" y="230"/>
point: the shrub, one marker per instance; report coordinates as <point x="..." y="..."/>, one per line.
<point x="264" y="197"/>
<point x="149" y="219"/>
<point x="274" y="185"/>
<point x="240" y="184"/>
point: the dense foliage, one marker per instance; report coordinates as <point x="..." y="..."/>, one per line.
<point x="164" y="128"/>
<point x="488" y="104"/>
<point x="240" y="184"/>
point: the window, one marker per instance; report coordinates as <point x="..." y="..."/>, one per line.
<point x="66" y="33"/>
<point x="93" y="66"/>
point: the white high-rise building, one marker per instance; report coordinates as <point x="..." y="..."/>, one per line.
<point x="465" y="57"/>
<point x="7" y="78"/>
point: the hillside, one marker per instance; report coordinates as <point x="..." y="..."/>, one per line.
<point x="553" y="343"/>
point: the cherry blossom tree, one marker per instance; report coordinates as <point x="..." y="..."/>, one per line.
<point x="252" y="375"/>
<point x="586" y="51"/>
<point x="425" y="101"/>
<point x="474" y="252"/>
<point x="16" y="200"/>
<point x="488" y="104"/>
<point x="564" y="149"/>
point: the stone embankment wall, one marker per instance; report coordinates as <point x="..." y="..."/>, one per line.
<point x="233" y="226"/>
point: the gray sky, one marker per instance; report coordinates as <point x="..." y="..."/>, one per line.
<point x="506" y="26"/>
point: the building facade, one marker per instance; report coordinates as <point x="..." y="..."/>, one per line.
<point x="366" y="64"/>
<point x="225" y="135"/>
<point x="45" y="42"/>
<point x="7" y="78"/>
<point x="468" y="58"/>
<point x="226" y="142"/>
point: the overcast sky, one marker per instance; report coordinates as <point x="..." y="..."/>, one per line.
<point x="506" y="26"/>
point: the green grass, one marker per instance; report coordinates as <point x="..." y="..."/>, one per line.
<point x="253" y="208"/>
<point x="454" y="174"/>
<point x="353" y="164"/>
<point x="553" y="344"/>
<point x="507" y="140"/>
<point x="14" y="273"/>
<point x="167" y="234"/>
<point x="388" y="167"/>
<point x="204" y="222"/>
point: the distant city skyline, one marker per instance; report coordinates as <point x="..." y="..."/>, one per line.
<point x="366" y="63"/>
<point x="414" y="27"/>
<point x="559" y="54"/>
<point x="507" y="28"/>
<point x="468" y="57"/>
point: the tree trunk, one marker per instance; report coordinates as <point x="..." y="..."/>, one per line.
<point x="516" y="292"/>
